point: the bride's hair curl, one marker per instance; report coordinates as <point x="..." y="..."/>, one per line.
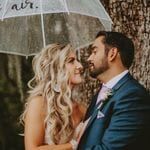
<point x="51" y="81"/>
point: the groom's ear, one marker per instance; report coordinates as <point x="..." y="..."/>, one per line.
<point x="112" y="54"/>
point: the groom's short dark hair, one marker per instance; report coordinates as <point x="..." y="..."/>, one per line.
<point x="124" y="45"/>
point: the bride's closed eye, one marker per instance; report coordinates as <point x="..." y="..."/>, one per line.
<point x="71" y="60"/>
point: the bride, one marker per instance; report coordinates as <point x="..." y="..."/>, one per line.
<point x="51" y="115"/>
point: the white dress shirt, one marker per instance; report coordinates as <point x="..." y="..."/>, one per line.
<point x="111" y="83"/>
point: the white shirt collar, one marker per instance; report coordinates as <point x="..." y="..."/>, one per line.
<point x="111" y="83"/>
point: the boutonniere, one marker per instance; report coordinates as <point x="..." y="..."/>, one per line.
<point x="104" y="98"/>
<point x="106" y="95"/>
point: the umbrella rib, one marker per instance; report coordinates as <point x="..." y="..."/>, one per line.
<point x="102" y="7"/>
<point x="42" y="25"/>
<point x="4" y="9"/>
<point x="66" y="7"/>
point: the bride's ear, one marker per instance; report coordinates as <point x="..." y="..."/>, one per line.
<point x="112" y="54"/>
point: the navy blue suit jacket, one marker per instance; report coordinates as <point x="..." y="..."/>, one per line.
<point x="126" y="121"/>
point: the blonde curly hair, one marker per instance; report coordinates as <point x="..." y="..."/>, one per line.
<point x="51" y="81"/>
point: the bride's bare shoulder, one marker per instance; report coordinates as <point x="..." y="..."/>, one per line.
<point x="37" y="104"/>
<point x="36" y="100"/>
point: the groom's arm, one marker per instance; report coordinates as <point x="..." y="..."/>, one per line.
<point x="130" y="118"/>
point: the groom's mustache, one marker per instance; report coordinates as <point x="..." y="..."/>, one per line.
<point x="89" y="64"/>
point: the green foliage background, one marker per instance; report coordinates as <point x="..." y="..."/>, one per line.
<point x="11" y="100"/>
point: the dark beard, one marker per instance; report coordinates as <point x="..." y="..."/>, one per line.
<point x="97" y="71"/>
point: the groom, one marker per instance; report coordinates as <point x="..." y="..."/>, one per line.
<point x="119" y="115"/>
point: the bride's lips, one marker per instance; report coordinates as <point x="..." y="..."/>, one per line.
<point x="79" y="72"/>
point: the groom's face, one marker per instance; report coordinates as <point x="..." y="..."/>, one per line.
<point x="98" y="62"/>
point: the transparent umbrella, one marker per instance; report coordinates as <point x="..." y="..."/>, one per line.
<point x="28" y="25"/>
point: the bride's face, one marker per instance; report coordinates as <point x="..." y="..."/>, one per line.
<point x="75" y="69"/>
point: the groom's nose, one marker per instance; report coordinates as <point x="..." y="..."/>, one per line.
<point x="89" y="58"/>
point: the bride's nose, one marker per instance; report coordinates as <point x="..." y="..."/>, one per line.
<point x="78" y="65"/>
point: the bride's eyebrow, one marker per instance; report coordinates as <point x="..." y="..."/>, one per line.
<point x="71" y="59"/>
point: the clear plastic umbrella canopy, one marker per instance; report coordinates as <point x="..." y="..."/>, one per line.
<point x="28" y="25"/>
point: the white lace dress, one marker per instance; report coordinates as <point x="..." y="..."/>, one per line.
<point x="47" y="138"/>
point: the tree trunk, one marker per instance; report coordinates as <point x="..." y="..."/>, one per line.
<point x="132" y="17"/>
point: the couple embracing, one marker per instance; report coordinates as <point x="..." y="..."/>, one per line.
<point x="118" y="117"/>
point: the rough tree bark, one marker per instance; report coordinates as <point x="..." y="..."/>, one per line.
<point x="132" y="17"/>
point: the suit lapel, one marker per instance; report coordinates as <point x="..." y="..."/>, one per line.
<point x="91" y="107"/>
<point x="122" y="81"/>
<point x="115" y="88"/>
<point x="93" y="116"/>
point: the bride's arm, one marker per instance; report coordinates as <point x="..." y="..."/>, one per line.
<point x="35" y="128"/>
